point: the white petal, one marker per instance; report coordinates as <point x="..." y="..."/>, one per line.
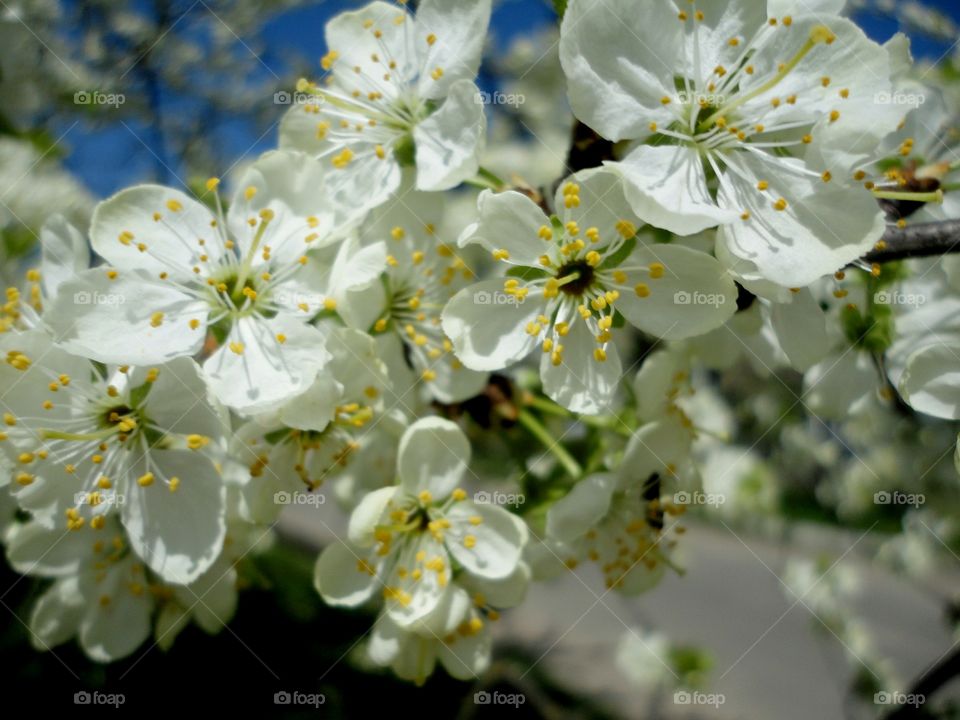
<point x="64" y="253"/>
<point x="467" y="657"/>
<point x="110" y="631"/>
<point x="434" y="454"/>
<point x="655" y="448"/>
<point x="178" y="399"/>
<point x="619" y="64"/>
<point x="580" y="382"/>
<point x="115" y="321"/>
<point x="581" y="509"/>
<point x="459" y="28"/>
<point x="488" y="327"/>
<point x="508" y="221"/>
<point x="339" y="576"/>
<point x="694" y="295"/>
<point x="931" y="381"/>
<point x="368" y="514"/>
<point x="666" y="185"/>
<point x="57" y="614"/>
<point x="450" y="140"/>
<point x="292" y="186"/>
<point x="823" y="227"/>
<point x="171" y="241"/>
<point x="266" y="373"/>
<point x="801" y="329"/>
<point x="178" y="534"/>
<point x="497" y="543"/>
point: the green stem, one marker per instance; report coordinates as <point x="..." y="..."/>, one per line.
<point x="604" y="422"/>
<point x="536" y="428"/>
<point x="494" y="180"/>
<point x="935" y="197"/>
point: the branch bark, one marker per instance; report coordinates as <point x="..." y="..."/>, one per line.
<point x="920" y="240"/>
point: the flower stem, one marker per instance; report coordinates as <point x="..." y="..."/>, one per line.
<point x="925" y="197"/>
<point x="536" y="428"/>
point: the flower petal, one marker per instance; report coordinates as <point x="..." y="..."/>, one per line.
<point x="485" y="539"/>
<point x="580" y="382"/>
<point x="449" y="141"/>
<point x="178" y="533"/>
<point x="458" y="29"/>
<point x="116" y="321"/>
<point x="693" y="296"/>
<point x="667" y="187"/>
<point x="434" y="454"/>
<point x="488" y="327"/>
<point x="167" y="222"/>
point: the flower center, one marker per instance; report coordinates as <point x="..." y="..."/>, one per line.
<point x="575" y="278"/>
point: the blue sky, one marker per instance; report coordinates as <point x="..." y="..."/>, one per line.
<point x="111" y="158"/>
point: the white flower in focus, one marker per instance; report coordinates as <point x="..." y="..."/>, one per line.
<point x="572" y="279"/>
<point x="88" y="444"/>
<point x="250" y="278"/>
<point x="743" y="115"/>
<point x="411" y="541"/>
<point x="399" y="92"/>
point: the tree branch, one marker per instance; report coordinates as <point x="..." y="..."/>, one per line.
<point x="927" y="684"/>
<point x="920" y="240"/>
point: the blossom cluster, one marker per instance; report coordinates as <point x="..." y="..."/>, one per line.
<point x="370" y="301"/>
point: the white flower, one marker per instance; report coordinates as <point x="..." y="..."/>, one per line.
<point x="403" y="311"/>
<point x="744" y="117"/>
<point x="100" y="593"/>
<point x="318" y="434"/>
<point x="179" y="270"/>
<point x="105" y="596"/>
<point x="127" y="441"/>
<point x="63" y="253"/>
<point x="620" y="526"/>
<point x="570" y="279"/>
<point x="458" y="634"/>
<point x="408" y="540"/>
<point x="400" y="92"/>
<point x="931" y="381"/>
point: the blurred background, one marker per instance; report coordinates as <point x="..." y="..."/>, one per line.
<point x="96" y="95"/>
